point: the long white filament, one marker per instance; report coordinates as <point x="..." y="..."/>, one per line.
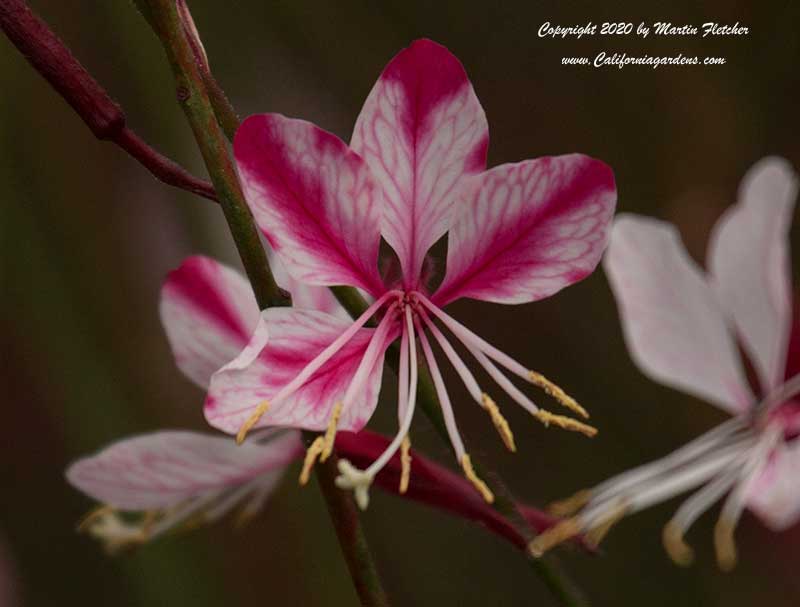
<point x="455" y="360"/>
<point x="384" y="458"/>
<point x="468" y="338"/>
<point x="375" y="347"/>
<point x="444" y="397"/>
<point x="328" y="353"/>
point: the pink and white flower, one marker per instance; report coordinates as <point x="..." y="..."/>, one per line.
<point x="690" y="329"/>
<point x="413" y="172"/>
<point x="168" y="479"/>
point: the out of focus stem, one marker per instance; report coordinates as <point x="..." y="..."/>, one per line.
<point x="53" y="60"/>
<point x="167" y="22"/>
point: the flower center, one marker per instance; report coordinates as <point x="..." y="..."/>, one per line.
<point x="412" y="314"/>
<point x="726" y="460"/>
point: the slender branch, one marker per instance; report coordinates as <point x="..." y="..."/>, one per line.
<point x="48" y="56"/>
<point x="347" y="524"/>
<point x="195" y="103"/>
<point x="171" y="30"/>
<point x="223" y="109"/>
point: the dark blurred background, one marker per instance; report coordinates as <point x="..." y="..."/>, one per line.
<point x="88" y="235"/>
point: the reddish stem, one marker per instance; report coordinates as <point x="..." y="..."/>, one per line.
<point x="437" y="486"/>
<point x="48" y="55"/>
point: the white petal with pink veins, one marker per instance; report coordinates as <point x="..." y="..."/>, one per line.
<point x="284" y="343"/>
<point x="750" y="265"/>
<point x="313" y="198"/>
<point x="673" y="323"/>
<point x="209" y="312"/>
<point x="421" y="130"/>
<point x="526" y="230"/>
<point x="165" y="468"/>
<point x="304" y="296"/>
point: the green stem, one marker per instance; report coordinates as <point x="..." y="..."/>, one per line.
<point x="164" y="17"/>
<point x="194" y="101"/>
<point x="351" y="536"/>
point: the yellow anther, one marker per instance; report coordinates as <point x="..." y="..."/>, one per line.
<point x="330" y="433"/>
<point x="499" y="422"/>
<point x="567" y="423"/>
<point x="677" y="549"/>
<point x="596" y="534"/>
<point x="93" y="516"/>
<point x="311" y="458"/>
<point x="724" y="544"/>
<point x="469" y="472"/>
<point x="537" y="379"/>
<point x="570" y="505"/>
<point x="563" y="531"/>
<point x="405" y="463"/>
<point x="106" y="525"/>
<point x="251" y="421"/>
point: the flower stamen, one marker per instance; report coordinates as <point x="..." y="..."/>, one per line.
<point x="477" y="482"/>
<point x="251" y="421"/>
<point x="724" y="544"/>
<point x="556" y="392"/>
<point x="567" y="423"/>
<point x="405" y="463"/>
<point x="559" y="533"/>
<point x="677" y="549"/>
<point x="312" y="453"/>
<point x="570" y="505"/>
<point x="330" y="433"/>
<point x="597" y="533"/>
<point x="500" y="422"/>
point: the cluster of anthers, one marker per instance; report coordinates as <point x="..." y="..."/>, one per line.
<point x="120" y="531"/>
<point x="411" y="315"/>
<point x="728" y="459"/>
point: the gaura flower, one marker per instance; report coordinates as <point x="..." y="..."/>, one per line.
<point x="153" y="483"/>
<point x="168" y="480"/>
<point x="171" y="480"/>
<point x="414" y="171"/>
<point x="690" y="330"/>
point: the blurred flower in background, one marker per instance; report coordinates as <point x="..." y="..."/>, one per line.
<point x="685" y="328"/>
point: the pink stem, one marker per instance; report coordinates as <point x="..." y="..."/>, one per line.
<point x="438" y="487"/>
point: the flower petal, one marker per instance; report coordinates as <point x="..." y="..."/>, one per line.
<point x="285" y="341"/>
<point x="313" y="198"/>
<point x="775" y="497"/>
<point x="529" y="229"/>
<point x="304" y="296"/>
<point x="164" y="468"/>
<point x="421" y="129"/>
<point x="209" y="312"/>
<point x="673" y="323"/>
<point x="750" y="265"/>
